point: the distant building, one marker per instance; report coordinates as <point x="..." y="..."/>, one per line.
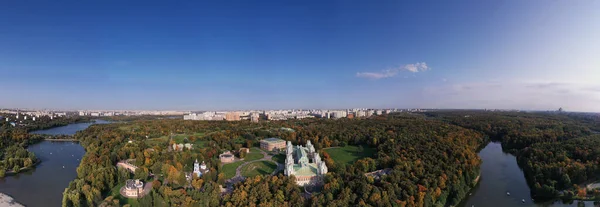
<point x="254" y="117"/>
<point x="271" y="144"/>
<point x="339" y="114"/>
<point x="232" y="116"/>
<point x="350" y="115"/>
<point x="298" y="163"/>
<point x="134" y="188"/>
<point x="226" y="157"/>
<point x="191" y="117"/>
<point x="179" y="147"/>
<point x="200" y="169"/>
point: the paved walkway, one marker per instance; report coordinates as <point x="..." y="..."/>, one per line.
<point x="125" y="164"/>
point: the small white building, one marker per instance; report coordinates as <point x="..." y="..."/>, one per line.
<point x="134" y="188"/>
<point x="200" y="169"/>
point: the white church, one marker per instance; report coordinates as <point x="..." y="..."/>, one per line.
<point x="200" y="169"/>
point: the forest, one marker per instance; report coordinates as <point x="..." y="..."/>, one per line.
<point x="434" y="163"/>
<point x="557" y="151"/>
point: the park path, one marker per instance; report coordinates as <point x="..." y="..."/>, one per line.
<point x="125" y="164"/>
<point x="266" y="157"/>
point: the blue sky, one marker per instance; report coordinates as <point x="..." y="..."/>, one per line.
<point x="229" y="55"/>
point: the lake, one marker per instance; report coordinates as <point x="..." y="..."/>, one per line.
<point x="500" y="174"/>
<point x="44" y="185"/>
<point x="69" y="129"/>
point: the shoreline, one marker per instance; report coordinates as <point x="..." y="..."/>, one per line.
<point x="23" y="169"/>
<point x="7" y="201"/>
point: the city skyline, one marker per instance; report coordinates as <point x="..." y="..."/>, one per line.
<point x="533" y="55"/>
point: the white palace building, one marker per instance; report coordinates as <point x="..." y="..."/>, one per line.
<point x="305" y="164"/>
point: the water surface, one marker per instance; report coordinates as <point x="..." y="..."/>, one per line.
<point x="43" y="186"/>
<point x="70" y="129"/>
<point x="500" y="174"/>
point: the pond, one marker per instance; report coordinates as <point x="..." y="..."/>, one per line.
<point x="501" y="174"/>
<point x="44" y="185"/>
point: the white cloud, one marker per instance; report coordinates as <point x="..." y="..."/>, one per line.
<point x="383" y="74"/>
<point x="414" y="68"/>
<point x="417" y="67"/>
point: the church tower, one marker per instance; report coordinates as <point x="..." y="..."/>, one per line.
<point x="197" y="169"/>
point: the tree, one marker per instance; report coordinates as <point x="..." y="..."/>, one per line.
<point x="141" y="173"/>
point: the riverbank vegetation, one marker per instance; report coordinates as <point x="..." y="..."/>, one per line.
<point x="13" y="155"/>
<point x="556" y="151"/>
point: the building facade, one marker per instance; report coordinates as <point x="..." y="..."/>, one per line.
<point x="271" y="144"/>
<point x="232" y="116"/>
<point x="134" y="188"/>
<point x="200" y="169"/>
<point x="226" y="157"/>
<point x="305" y="164"/>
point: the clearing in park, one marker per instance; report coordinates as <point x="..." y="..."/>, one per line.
<point x="253" y="155"/>
<point x="258" y="168"/>
<point x="229" y="169"/>
<point x="349" y="154"/>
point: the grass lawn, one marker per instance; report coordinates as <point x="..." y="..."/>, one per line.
<point x="258" y="168"/>
<point x="280" y="158"/>
<point x="229" y="169"/>
<point x="253" y="155"/>
<point x="157" y="141"/>
<point x="349" y="154"/>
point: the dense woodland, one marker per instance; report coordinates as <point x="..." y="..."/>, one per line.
<point x="434" y="163"/>
<point x="555" y="150"/>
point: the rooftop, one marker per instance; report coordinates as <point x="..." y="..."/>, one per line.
<point x="133" y="184"/>
<point x="310" y="170"/>
<point x="273" y="140"/>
